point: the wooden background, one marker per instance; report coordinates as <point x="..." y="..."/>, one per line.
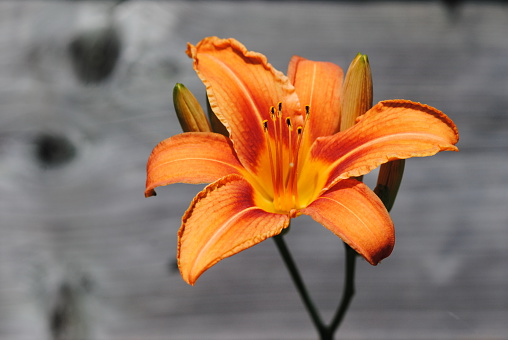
<point x="85" y="94"/>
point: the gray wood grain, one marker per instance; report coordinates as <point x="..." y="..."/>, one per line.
<point x="83" y="255"/>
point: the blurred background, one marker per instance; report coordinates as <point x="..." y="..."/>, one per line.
<point x="85" y="94"/>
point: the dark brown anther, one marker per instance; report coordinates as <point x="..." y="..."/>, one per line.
<point x="288" y="122"/>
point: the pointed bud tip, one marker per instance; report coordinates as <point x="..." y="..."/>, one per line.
<point x="362" y="57"/>
<point x="178" y="87"/>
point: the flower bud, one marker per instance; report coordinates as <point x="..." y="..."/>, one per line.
<point x="189" y="111"/>
<point x="216" y="124"/>
<point x="388" y="181"/>
<point x="356" y="91"/>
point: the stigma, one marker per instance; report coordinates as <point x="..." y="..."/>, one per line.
<point x="283" y="140"/>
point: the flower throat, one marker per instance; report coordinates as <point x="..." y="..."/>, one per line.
<point x="283" y="153"/>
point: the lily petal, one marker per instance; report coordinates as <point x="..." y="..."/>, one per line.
<point x="242" y="86"/>
<point x="319" y="85"/>
<point x="355" y="214"/>
<point x="192" y="157"/>
<point x="394" y="129"/>
<point x="221" y="221"/>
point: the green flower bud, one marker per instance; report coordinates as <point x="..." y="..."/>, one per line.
<point x="356" y="91"/>
<point x="216" y="124"/>
<point x="388" y="181"/>
<point x="189" y="111"/>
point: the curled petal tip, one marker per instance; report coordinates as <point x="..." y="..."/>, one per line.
<point x="191" y="50"/>
<point x="150" y="193"/>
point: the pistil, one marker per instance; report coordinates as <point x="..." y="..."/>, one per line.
<point x="280" y="155"/>
<point x="291" y="151"/>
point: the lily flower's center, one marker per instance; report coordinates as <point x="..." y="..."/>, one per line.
<point x="283" y="141"/>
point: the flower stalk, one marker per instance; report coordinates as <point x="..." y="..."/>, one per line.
<point x="298" y="282"/>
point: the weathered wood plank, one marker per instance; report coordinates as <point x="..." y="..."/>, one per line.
<point x="84" y="255"/>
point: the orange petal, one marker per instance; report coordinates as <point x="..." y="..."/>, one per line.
<point x="319" y="85"/>
<point x="193" y="157"/>
<point x="395" y="129"/>
<point x="242" y="86"/>
<point x="221" y="221"/>
<point x="356" y="215"/>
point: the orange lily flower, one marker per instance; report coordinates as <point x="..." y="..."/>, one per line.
<point x="285" y="156"/>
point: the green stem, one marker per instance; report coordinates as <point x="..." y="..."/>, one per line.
<point x="325" y="332"/>
<point x="300" y="286"/>
<point x="348" y="290"/>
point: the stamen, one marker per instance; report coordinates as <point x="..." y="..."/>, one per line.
<point x="302" y="128"/>
<point x="272" y="113"/>
<point x="288" y="123"/>
<point x="290" y="146"/>
<point x="276" y="138"/>
<point x="280" y="151"/>
<point x="270" y="155"/>
<point x="294" y="179"/>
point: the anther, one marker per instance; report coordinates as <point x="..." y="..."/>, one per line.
<point x="288" y="122"/>
<point x="272" y="112"/>
<point x="265" y="125"/>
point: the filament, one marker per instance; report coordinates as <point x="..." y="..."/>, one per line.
<point x="270" y="155"/>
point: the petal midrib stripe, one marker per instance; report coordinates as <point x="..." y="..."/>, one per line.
<point x="193" y="159"/>
<point x="241" y="84"/>
<point x="351" y="211"/>
<point x="397" y="136"/>
<point x="219" y="232"/>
